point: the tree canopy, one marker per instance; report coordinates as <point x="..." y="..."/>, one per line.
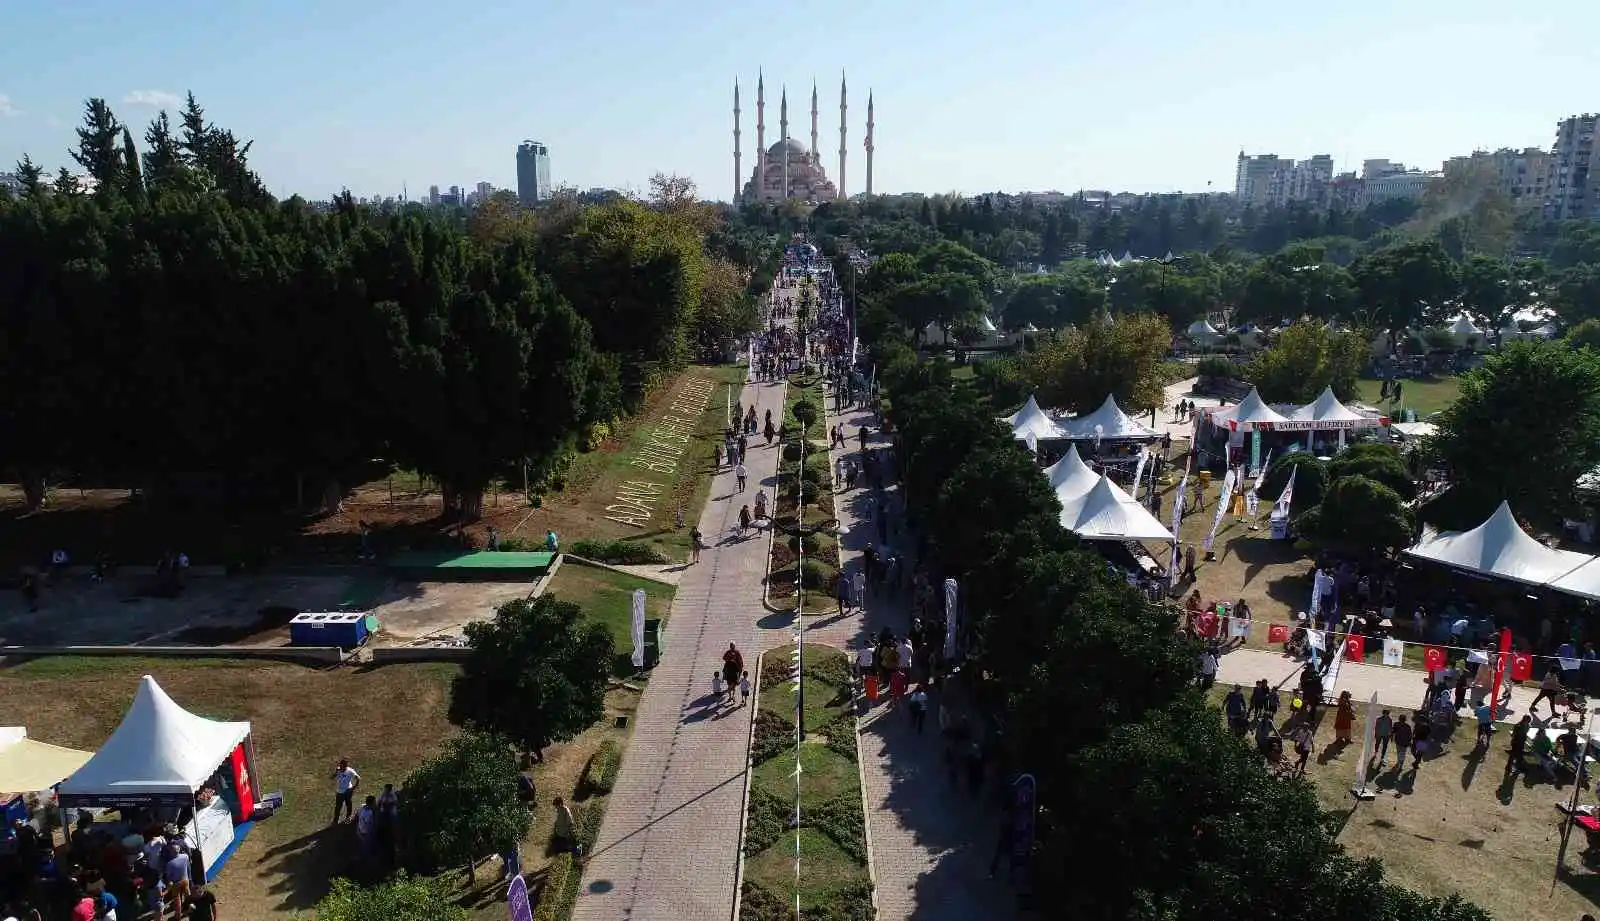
<point x="462" y="804"/>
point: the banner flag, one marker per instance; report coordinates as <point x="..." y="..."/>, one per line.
<point x="1500" y="671"/>
<point x="1177" y="521"/>
<point x="1355" y="647"/>
<point x="1314" y="639"/>
<point x="1284" y="500"/>
<point x="1521" y="666"/>
<point x="1433" y="658"/>
<point x="1032" y="441"/>
<point x="1261" y="472"/>
<point x="1277" y="634"/>
<point x="1138" y="472"/>
<point x="1394" y="652"/>
<point x="952" y="619"/>
<point x="1206" y="624"/>
<point x="1222" y="508"/>
<point x="1366" y="743"/>
<point x="638" y="628"/>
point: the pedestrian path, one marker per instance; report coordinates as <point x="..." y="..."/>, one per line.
<point x="668" y="848"/>
<point x="930" y="843"/>
<point x="1395" y="687"/>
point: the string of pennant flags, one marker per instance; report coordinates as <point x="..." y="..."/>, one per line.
<point x="1435" y="656"/>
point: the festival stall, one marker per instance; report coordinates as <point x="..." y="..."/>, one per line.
<point x="1107" y="423"/>
<point x="166" y="766"/>
<point x="1220" y="430"/>
<point x="1201" y="332"/>
<point x="1327" y="414"/>
<point x="1031" y="421"/>
<point x="29" y="769"/>
<point x="1465" y="333"/>
<point x="1501" y="549"/>
<point x="1106" y="512"/>
<point x="1070" y="477"/>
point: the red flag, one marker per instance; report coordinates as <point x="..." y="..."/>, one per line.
<point x="1521" y="666"/>
<point x="1355" y="648"/>
<point x="1277" y="633"/>
<point x="1500" y="672"/>
<point x="1206" y="624"/>
<point x="1433" y="658"/>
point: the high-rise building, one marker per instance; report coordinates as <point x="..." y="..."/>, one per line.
<point x="1262" y="180"/>
<point x="1522" y="175"/>
<point x="1574" y="178"/>
<point x="533" y="172"/>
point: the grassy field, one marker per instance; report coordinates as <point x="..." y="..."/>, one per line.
<point x="607" y="596"/>
<point x="1425" y="396"/>
<point x="1459" y="824"/>
<point x="834" y="883"/>
<point x="385" y="720"/>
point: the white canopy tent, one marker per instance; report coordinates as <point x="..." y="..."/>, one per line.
<point x="1583" y="581"/>
<point x="1499" y="547"/>
<point x="31" y="766"/>
<point x="160" y="748"/>
<point x="1031" y="420"/>
<point x="1105" y="512"/>
<point x="1249" y="414"/>
<point x="1327" y="412"/>
<point x="1464" y="331"/>
<point x="1202" y="331"/>
<point x="1112" y="422"/>
<point x="1070" y="477"/>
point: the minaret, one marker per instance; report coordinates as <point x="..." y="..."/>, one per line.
<point x="783" y="129"/>
<point x="869" y="143"/>
<point x="842" y="195"/>
<point x="761" y="137"/>
<point x="738" y="175"/>
<point x="816" y="151"/>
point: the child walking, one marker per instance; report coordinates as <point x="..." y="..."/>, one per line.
<point x="744" y="689"/>
<point x="716" y="688"/>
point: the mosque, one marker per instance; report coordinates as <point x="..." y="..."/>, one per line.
<point x="788" y="169"/>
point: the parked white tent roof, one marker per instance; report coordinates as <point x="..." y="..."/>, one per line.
<point x="1070" y="476"/>
<point x="1031" y="420"/>
<point x="1200" y="329"/>
<point x="1463" y="326"/>
<point x="1105" y="512"/>
<point x="1498" y="547"/>
<point x="1326" y="408"/>
<point x="1112" y="421"/>
<point x="1248" y="413"/>
<point x="30" y="766"/>
<point x="159" y="748"/>
<point x="1583" y="581"/>
<point x="987" y="324"/>
<point x="1127" y="256"/>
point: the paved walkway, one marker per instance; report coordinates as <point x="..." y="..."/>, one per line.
<point x="668" y="848"/>
<point x="1396" y="687"/>
<point x="930" y="846"/>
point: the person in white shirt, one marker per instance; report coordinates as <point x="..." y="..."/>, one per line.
<point x="366" y="827"/>
<point x="345" y="782"/>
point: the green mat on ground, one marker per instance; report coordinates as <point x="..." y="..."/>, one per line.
<point x="482" y="559"/>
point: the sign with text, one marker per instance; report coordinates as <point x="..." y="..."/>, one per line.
<point x="636" y="501"/>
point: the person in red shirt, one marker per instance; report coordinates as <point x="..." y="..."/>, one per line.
<point x="83" y="905"/>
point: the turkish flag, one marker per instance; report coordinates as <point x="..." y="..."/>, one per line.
<point x="1206" y="624"/>
<point x="1433" y="658"/>
<point x="1355" y="648"/>
<point x="1277" y="633"/>
<point x="1521" y="666"/>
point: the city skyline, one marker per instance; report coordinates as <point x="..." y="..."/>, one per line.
<point x="1150" y="97"/>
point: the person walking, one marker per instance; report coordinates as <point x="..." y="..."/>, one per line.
<point x="696" y="544"/>
<point x="1549" y="689"/>
<point x="744" y="519"/>
<point x="1344" y="719"/>
<point x="732" y="665"/>
<point x="1302" y="746"/>
<point x="1519" y="745"/>
<point x="1485" y="723"/>
<point x="345" y="783"/>
<point x="917" y="706"/>
<point x="739" y="475"/>
<point x="1382" y="730"/>
<point x="1402" y="742"/>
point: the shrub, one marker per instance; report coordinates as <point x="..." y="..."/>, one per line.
<point x="563" y="875"/>
<point x="1213" y="366"/>
<point x="842" y="820"/>
<point x="817" y="576"/>
<point x="619" y="552"/>
<point x="769" y="819"/>
<point x="791" y="451"/>
<point x="773" y="734"/>
<point x="601" y="774"/>
<point x="757" y="904"/>
<point x="841" y="735"/>
<point x="805" y="412"/>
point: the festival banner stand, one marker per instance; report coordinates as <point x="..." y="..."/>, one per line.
<point x="1360" y="791"/>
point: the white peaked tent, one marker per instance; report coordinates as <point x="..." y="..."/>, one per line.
<point x="1105" y="512"/>
<point x="1200" y="329"/>
<point x="1498" y="547"/>
<point x="1249" y="414"/>
<point x="987" y="324"/>
<point x="160" y="748"/>
<point x="1330" y="413"/>
<point x="1127" y="256"/>
<point x="1583" y="581"/>
<point x="1113" y="423"/>
<point x="1031" y="420"/>
<point x="1070" y="477"/>
<point x="1511" y="331"/>
<point x="1464" y="331"/>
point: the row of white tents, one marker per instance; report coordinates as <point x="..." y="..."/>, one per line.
<point x="1108" y="422"/>
<point x="1462" y="331"/>
<point x="1094" y="508"/>
<point x="1500" y="548"/>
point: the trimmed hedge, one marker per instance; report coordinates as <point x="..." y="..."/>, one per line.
<point x="769" y="819"/>
<point x="601" y="774"/>
<point x="757" y="904"/>
<point x="563" y="876"/>
<point x="841" y="735"/>
<point x="773" y="736"/>
<point x="842" y="820"/>
<point x="619" y="552"/>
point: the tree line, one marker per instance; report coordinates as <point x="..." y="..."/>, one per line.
<point x="1088" y="686"/>
<point x="169" y="326"/>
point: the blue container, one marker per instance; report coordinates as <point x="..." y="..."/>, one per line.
<point x="345" y="629"/>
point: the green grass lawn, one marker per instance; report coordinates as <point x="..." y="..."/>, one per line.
<point x="832" y="832"/>
<point x="607" y="597"/>
<point x="1426" y="396"/>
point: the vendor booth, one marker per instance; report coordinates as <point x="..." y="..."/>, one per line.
<point x="1070" y="477"/>
<point x="1030" y="420"/>
<point x="1108" y="423"/>
<point x="29" y="769"/>
<point x="166" y="766"/>
<point x="1500" y="548"/>
<point x="1106" y="512"/>
<point x="1321" y="427"/>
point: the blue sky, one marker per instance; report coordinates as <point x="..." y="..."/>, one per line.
<point x="1143" y="95"/>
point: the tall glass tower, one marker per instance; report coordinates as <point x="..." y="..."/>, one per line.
<point x="533" y="172"/>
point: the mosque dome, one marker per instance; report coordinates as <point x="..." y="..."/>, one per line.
<point x="795" y="148"/>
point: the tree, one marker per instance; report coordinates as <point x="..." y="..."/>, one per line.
<point x="463" y="804"/>
<point x="1489" y="290"/>
<point x="1361" y="512"/>
<point x="403" y="898"/>
<point x="537" y="673"/>
<point x="805" y="413"/>
<point x="1542" y="397"/>
<point x="1306" y="359"/>
<point x="1404" y="285"/>
<point x="1584" y="334"/>
<point x="1378" y="462"/>
<point x="1119" y="357"/>
<point x="1310" y="480"/>
<point x="100" y="150"/>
